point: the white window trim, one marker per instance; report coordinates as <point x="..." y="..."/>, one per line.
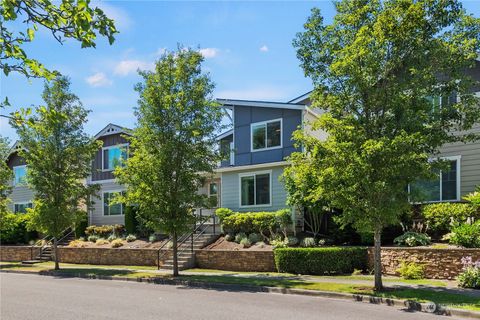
<point x="122" y="145"/>
<point x="249" y="174"/>
<point x="265" y="123"/>
<point x="458" y="198"/>
<point x="13" y="169"/>
<point x="19" y="203"/>
<point x="103" y="203"/>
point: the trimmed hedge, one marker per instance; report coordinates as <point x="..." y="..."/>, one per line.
<point x="267" y="222"/>
<point x="320" y="261"/>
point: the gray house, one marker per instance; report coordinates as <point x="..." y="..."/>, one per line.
<point x="21" y="197"/>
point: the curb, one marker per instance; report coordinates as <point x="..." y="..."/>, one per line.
<point x="410" y="305"/>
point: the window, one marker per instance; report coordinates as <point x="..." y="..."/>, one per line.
<point x="213" y="193"/>
<point x="21" y="207"/>
<point x="445" y="187"/>
<point x="439" y="102"/>
<point x="114" y="156"/>
<point x="110" y="209"/>
<point x="266" y="135"/>
<point x="19" y="174"/>
<point x="255" y="189"/>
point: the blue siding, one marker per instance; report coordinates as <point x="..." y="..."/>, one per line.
<point x="245" y="116"/>
<point x="231" y="195"/>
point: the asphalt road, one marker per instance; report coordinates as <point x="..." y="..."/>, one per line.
<point x="40" y="297"/>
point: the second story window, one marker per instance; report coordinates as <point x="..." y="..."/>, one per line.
<point x="266" y="135"/>
<point x="114" y="156"/>
<point x="21" y="207"/>
<point x="19" y="175"/>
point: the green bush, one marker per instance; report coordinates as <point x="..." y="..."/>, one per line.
<point x="112" y="237"/>
<point x="254" y="237"/>
<point x="412" y="239"/>
<point x="105" y="231"/>
<point x="13" y="229"/>
<point x="130" y="220"/>
<point x="117" y="243"/>
<point x="240" y="236"/>
<point x="229" y="237"/>
<point x="279" y="243"/>
<point x="131" y="238"/>
<point x="80" y="227"/>
<point x="292" y="241"/>
<point x="320" y="261"/>
<point x="246" y="243"/>
<point x="441" y="217"/>
<point x="259" y="222"/>
<point x="93" y="238"/>
<point x="222" y="213"/>
<point x="466" y="235"/>
<point x="411" y="270"/>
<point x="308" y="242"/>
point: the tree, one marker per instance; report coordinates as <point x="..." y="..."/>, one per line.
<point x="5" y="178"/>
<point x="374" y="69"/>
<point x="64" y="19"/>
<point x="174" y="144"/>
<point x="58" y="154"/>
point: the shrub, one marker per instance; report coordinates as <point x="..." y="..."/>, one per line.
<point x="279" y="243"/>
<point x="292" y="241"/>
<point x="80" y="227"/>
<point x="412" y="239"/>
<point x="152" y="238"/>
<point x="466" y="235"/>
<point x="254" y="237"/>
<point x="230" y="237"/>
<point x="13" y="229"/>
<point x="112" y="237"/>
<point x="470" y="276"/>
<point x="283" y="218"/>
<point x="411" y="270"/>
<point x="131" y="238"/>
<point x="101" y="241"/>
<point x="240" y="236"/>
<point x="222" y="213"/>
<point x="246" y="243"/>
<point x="117" y="243"/>
<point x="92" y="238"/>
<point x="77" y="244"/>
<point x="308" y="242"/>
<point x="105" y="231"/>
<point x="259" y="222"/>
<point x="130" y="220"/>
<point x="320" y="261"/>
<point x="440" y="217"/>
<point x="322" y="242"/>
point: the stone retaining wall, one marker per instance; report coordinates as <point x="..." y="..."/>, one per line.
<point x="17" y="253"/>
<point x="439" y="263"/>
<point x="260" y="261"/>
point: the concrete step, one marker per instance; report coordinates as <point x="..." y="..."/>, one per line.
<point x="30" y="262"/>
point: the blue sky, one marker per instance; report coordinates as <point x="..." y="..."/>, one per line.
<point x="247" y="48"/>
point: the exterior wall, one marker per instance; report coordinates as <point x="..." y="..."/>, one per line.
<point x="18" y="253"/>
<point x="245" y="116"/>
<point x="469" y="162"/>
<point x="255" y="261"/>
<point x="19" y="194"/>
<point x="230" y="190"/>
<point x="110" y="140"/>
<point x="96" y="216"/>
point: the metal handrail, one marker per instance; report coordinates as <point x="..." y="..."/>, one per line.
<point x="183" y="238"/>
<point x="48" y="239"/>
<point x="66" y="234"/>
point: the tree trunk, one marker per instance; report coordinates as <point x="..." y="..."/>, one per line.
<point x="175" y="258"/>
<point x="377" y="260"/>
<point x="55" y="253"/>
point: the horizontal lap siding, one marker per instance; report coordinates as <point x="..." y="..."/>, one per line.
<point x="96" y="216"/>
<point x="469" y="162"/>
<point x="20" y="195"/>
<point x="231" y="195"/>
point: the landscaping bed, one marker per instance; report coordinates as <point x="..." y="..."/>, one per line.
<point x="137" y="244"/>
<point x="223" y="244"/>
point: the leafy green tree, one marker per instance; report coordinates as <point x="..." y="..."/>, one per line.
<point x="75" y="19"/>
<point x="173" y="146"/>
<point x="5" y="179"/>
<point x="58" y="154"/>
<point x="373" y="69"/>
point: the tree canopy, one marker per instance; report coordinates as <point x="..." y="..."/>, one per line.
<point x="174" y="145"/>
<point x="375" y="70"/>
<point x="58" y="154"/>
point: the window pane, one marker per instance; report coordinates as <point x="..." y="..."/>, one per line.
<point x="115" y="209"/>
<point x="105" y="203"/>
<point x="449" y="182"/>
<point x="273" y="134"/>
<point x="263" y="188"/>
<point x="114" y="157"/>
<point x="426" y="190"/>
<point x="111" y="209"/>
<point x="258" y="136"/>
<point x="105" y="159"/>
<point x="213" y="189"/>
<point x="22" y="207"/>
<point x="19" y="175"/>
<point x="247" y="191"/>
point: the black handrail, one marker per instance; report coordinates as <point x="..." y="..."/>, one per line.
<point x="48" y="239"/>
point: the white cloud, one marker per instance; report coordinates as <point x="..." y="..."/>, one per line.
<point x="267" y="93"/>
<point x="208" y="53"/>
<point x="98" y="79"/>
<point x="120" y="17"/>
<point x="125" y="67"/>
<point x="264" y="48"/>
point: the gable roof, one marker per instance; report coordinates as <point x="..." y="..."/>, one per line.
<point x="225" y="134"/>
<point x="112" y="129"/>
<point x="260" y="104"/>
<point x="14" y="148"/>
<point x="301" y="98"/>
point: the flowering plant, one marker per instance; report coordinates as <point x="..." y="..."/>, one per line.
<point x="470" y="276"/>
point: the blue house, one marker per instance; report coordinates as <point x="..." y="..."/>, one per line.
<point x="257" y="147"/>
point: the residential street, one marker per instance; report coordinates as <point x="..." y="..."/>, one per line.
<point x="41" y="297"/>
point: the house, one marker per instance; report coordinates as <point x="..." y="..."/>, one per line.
<point x="21" y="196"/>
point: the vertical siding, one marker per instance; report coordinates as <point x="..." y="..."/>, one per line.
<point x="19" y="194"/>
<point x="231" y="195"/>
<point x="110" y="140"/>
<point x="469" y="162"/>
<point x="96" y="216"/>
